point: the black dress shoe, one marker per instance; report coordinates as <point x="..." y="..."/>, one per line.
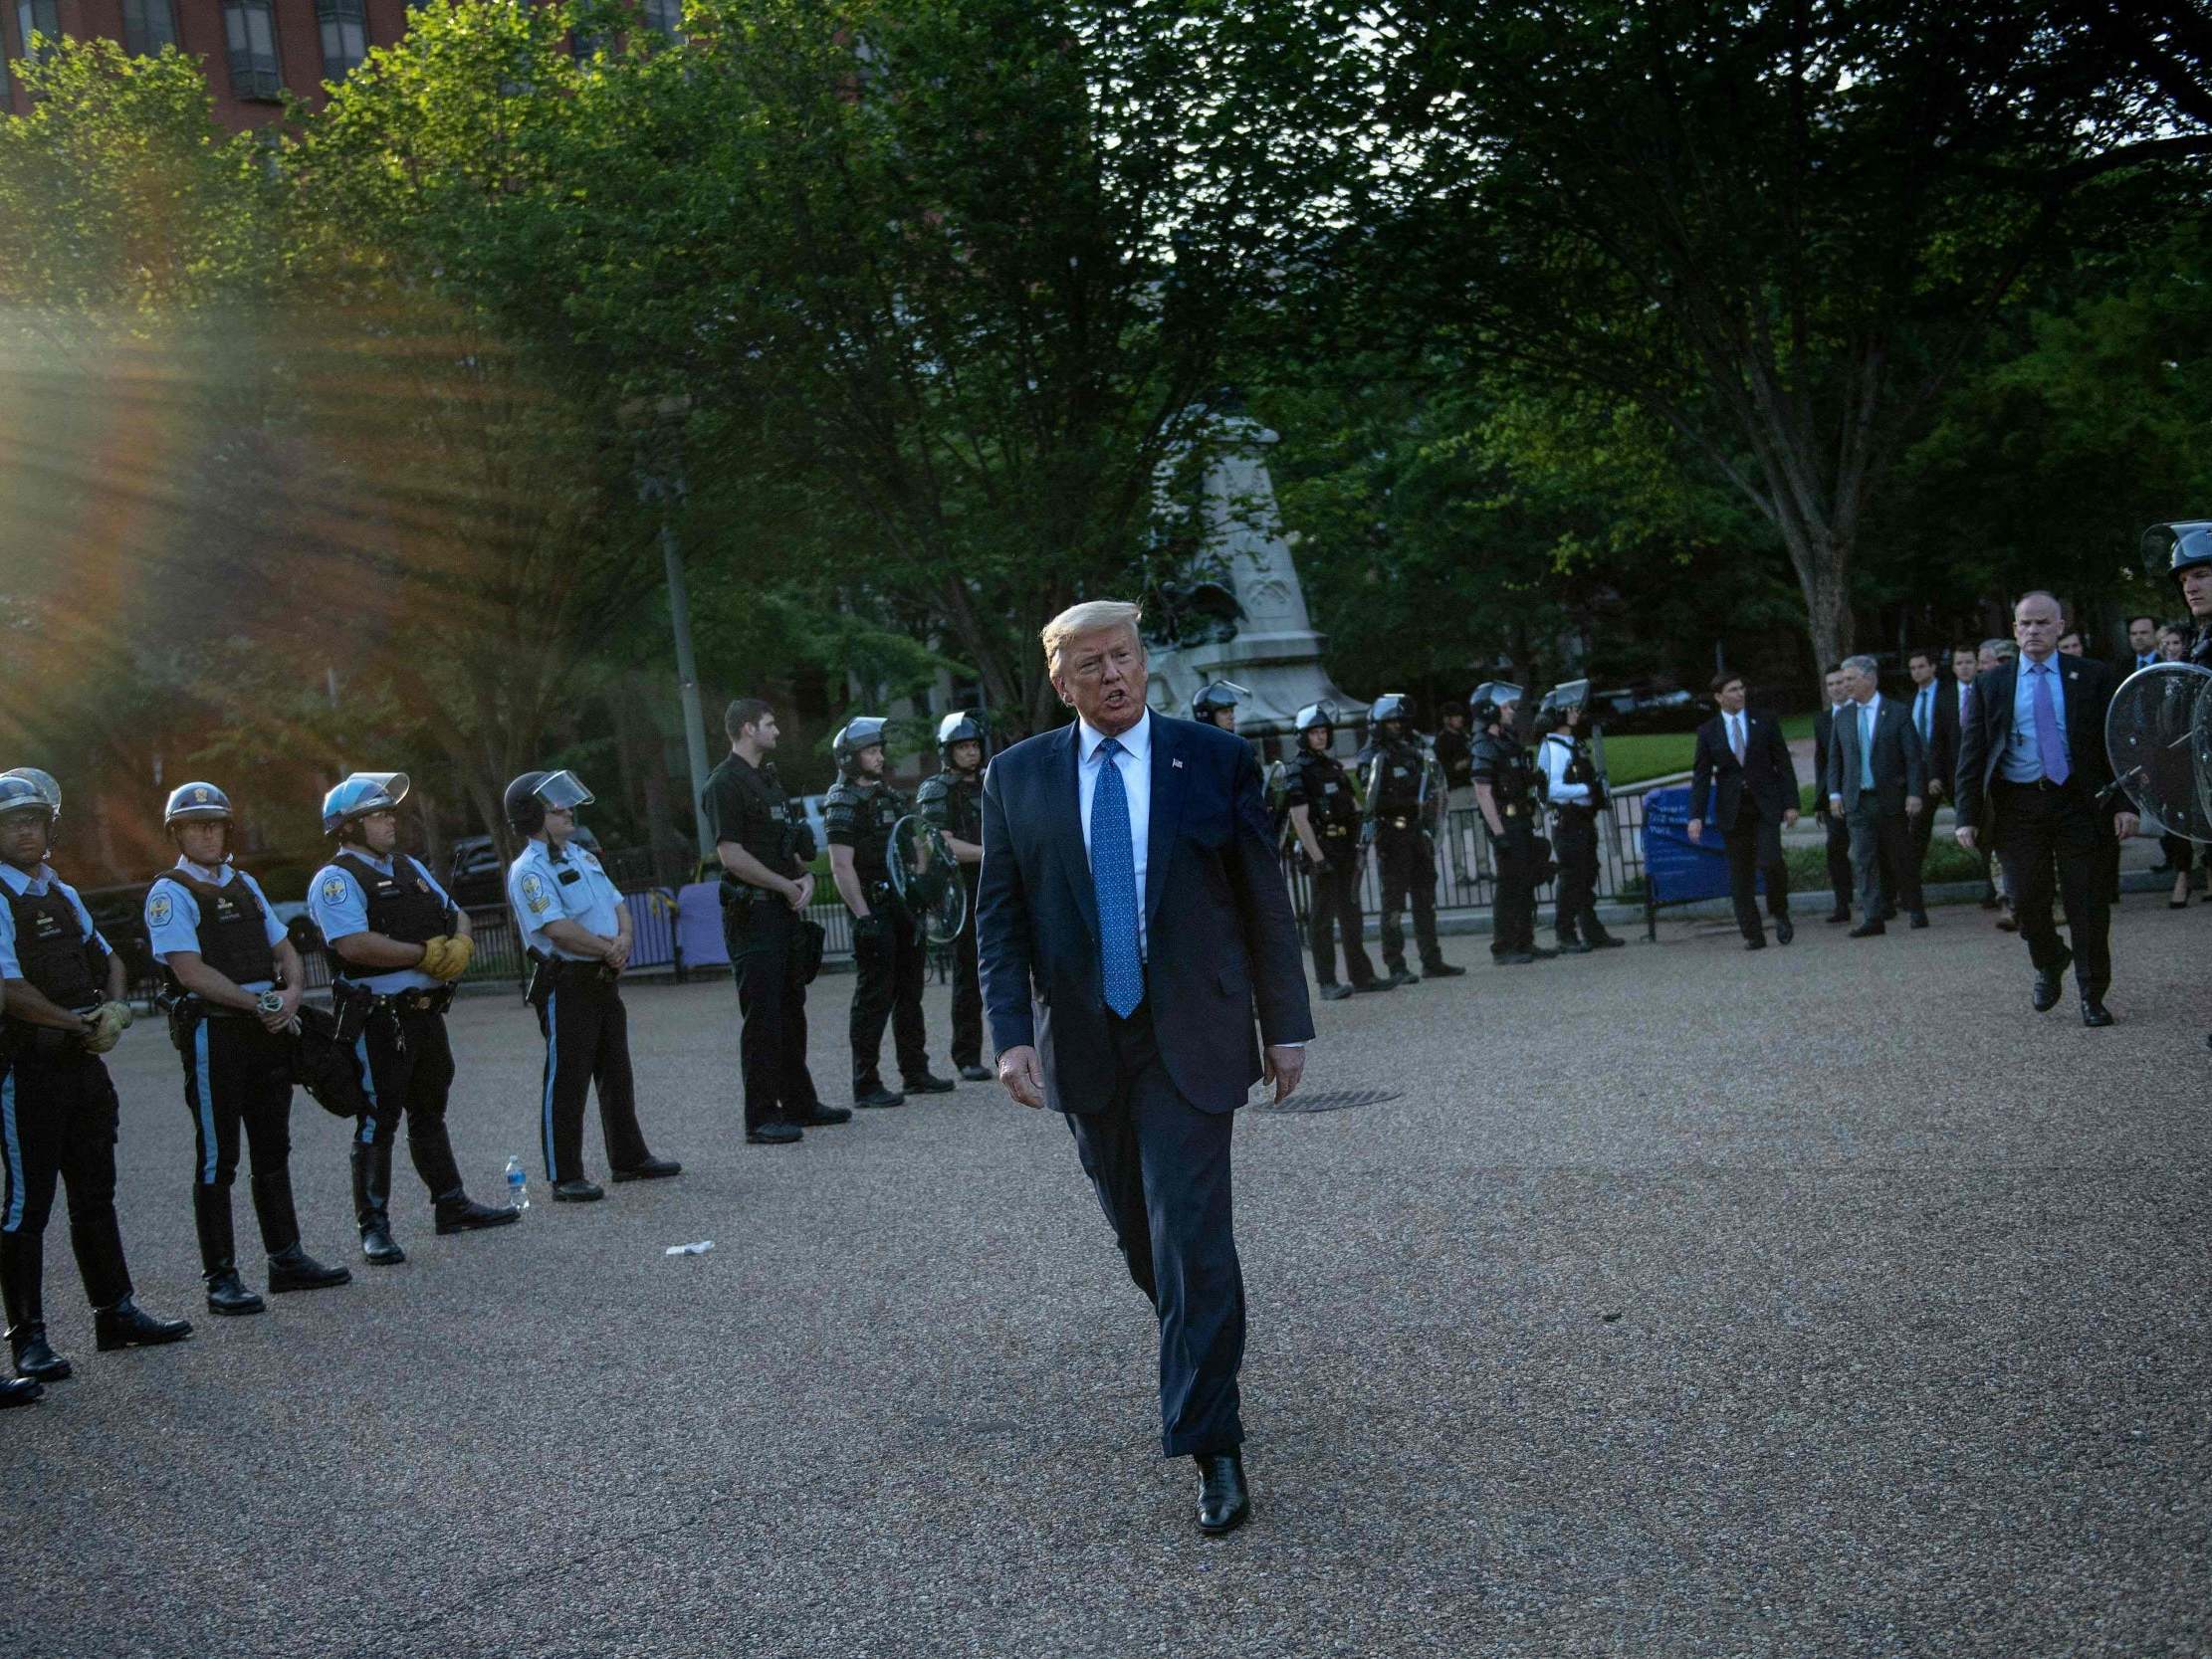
<point x="652" y="1169"/>
<point x="879" y="1096"/>
<point x="1398" y="977"/>
<point x="227" y="1295"/>
<point x="1869" y="929"/>
<point x="1574" y="947"/>
<point x="1373" y="986"/>
<point x="126" y="1324"/>
<point x="1335" y="993"/>
<point x="776" y="1135"/>
<point x="1605" y="942"/>
<point x="1440" y="969"/>
<point x="2045" y="996"/>
<point x="1919" y="918"/>
<point x="974" y="1074"/>
<point x="1784" y="930"/>
<point x="1514" y="958"/>
<point x="929" y="1084"/>
<point x="33" y="1358"/>
<point x="2093" y="1011"/>
<point x="822" y="1117"/>
<point x="1759" y="943"/>
<point x="1543" y="955"/>
<point x="2007" y="922"/>
<point x="1835" y="917"/>
<point x="457" y="1212"/>
<point x="1224" y="1503"/>
<point x="20" y="1390"/>
<point x="294" y="1269"/>
<point x="577" y="1192"/>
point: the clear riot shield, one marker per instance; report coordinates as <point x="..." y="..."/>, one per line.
<point x="926" y="878"/>
<point x="1277" y="783"/>
<point x="2158" y="731"/>
<point x="1435" y="794"/>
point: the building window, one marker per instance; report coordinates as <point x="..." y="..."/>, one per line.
<point x="344" y="26"/>
<point x="35" y="17"/>
<point x="250" y="38"/>
<point x="664" y="17"/>
<point x="147" y="26"/>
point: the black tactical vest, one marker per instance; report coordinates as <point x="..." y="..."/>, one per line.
<point x="954" y="802"/>
<point x="1399" y="791"/>
<point x="53" y="952"/>
<point x="868" y="816"/>
<point x="402" y="905"/>
<point x="234" y="942"/>
<point x="1328" y="792"/>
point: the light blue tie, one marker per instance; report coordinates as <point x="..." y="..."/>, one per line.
<point x="1866" y="746"/>
<point x="1114" y="880"/>
<point x="1925" y="712"/>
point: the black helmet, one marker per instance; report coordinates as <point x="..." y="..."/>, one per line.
<point x="19" y="795"/>
<point x="1211" y="699"/>
<point x="962" y="726"/>
<point x="195" y="803"/>
<point x="2179" y="546"/>
<point x="1488" y="701"/>
<point x="859" y="732"/>
<point x="1316" y="714"/>
<point x="1391" y="706"/>
<point x="531" y="794"/>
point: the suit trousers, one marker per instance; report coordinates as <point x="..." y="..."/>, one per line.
<point x="57" y="1121"/>
<point x="892" y="964"/>
<point x="1333" y="909"/>
<point x="968" y="989"/>
<point x="407" y="1070"/>
<point x="1838" y="858"/>
<point x="1754" y="849"/>
<point x="763" y="937"/>
<point x="1161" y="1167"/>
<point x="587" y="1041"/>
<point x="1881" y="857"/>
<point x="2040" y="830"/>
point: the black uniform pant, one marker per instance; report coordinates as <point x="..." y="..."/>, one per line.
<point x="968" y="989"/>
<point x="588" y="1042"/>
<point x="1513" y="910"/>
<point x="407" y="1070"/>
<point x="1161" y="1169"/>
<point x="1408" y="865"/>
<point x="1333" y="912"/>
<point x="2042" y="830"/>
<point x="1838" y="858"/>
<point x="892" y="964"/>
<point x="237" y="1074"/>
<point x="58" y="1118"/>
<point x="1754" y="848"/>
<point x="762" y="938"/>
<point x="1575" y="844"/>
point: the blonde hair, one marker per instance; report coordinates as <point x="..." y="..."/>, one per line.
<point x="1089" y="617"/>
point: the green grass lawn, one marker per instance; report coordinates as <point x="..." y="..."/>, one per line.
<point x="1633" y="760"/>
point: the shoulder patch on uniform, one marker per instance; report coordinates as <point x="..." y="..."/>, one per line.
<point x="160" y="910"/>
<point x="333" y="890"/>
<point x="534" y="897"/>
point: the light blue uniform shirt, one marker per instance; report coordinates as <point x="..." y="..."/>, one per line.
<point x="340" y="909"/>
<point x="34" y="887"/>
<point x="570" y="887"/>
<point x="2022" y="762"/>
<point x="174" y="915"/>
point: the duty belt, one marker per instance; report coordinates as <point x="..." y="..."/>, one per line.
<point x="435" y="1001"/>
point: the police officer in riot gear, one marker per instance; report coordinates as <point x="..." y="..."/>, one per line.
<point x="2186" y="548"/>
<point x="1576" y="795"/>
<point x="1505" y="793"/>
<point x="1215" y="703"/>
<point x="858" y="816"/>
<point x="1324" y="813"/>
<point x="232" y="984"/>
<point x="1397" y="766"/>
<point x="398" y="943"/>
<point x="952" y="801"/>
<point x="575" y="930"/>
<point x="764" y="846"/>
<point x="64" y="1008"/>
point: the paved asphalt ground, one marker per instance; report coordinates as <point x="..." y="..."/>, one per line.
<point x="1823" y="1302"/>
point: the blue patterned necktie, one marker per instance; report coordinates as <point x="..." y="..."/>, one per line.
<point x="2049" y="748"/>
<point x="1114" y="879"/>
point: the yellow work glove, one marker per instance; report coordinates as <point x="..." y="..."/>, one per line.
<point x="435" y="954"/>
<point x="458" y="951"/>
<point x="109" y="1021"/>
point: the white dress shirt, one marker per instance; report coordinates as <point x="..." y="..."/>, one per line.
<point x="1737" y="730"/>
<point x="1558" y="753"/>
<point x="1135" y="764"/>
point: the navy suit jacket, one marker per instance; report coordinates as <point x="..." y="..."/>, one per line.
<point x="1222" y="942"/>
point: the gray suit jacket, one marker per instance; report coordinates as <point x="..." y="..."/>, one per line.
<point x="1901" y="765"/>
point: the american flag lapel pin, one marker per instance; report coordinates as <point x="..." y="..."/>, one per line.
<point x="1176" y="763"/>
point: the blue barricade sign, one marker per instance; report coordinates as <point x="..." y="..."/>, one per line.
<point x="1676" y="870"/>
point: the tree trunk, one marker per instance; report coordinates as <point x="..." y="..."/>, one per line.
<point x="1821" y="561"/>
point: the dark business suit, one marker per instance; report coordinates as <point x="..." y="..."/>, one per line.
<point x="1941" y="690"/>
<point x="1943" y="760"/>
<point x="1748" y="802"/>
<point x="2030" y="826"/>
<point x="1151" y="1098"/>
<point x="1881" y="830"/>
<point x="1838" y="833"/>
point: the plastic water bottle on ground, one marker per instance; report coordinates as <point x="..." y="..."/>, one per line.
<point x="518" y="1185"/>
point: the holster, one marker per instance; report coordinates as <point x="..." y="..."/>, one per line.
<point x="351" y="1006"/>
<point x="812" y="936"/>
<point x="549" y="973"/>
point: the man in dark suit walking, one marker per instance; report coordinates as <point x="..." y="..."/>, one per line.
<point x="1878" y="783"/>
<point x="1838" y="833"/>
<point x="2142" y="646"/>
<point x="1743" y="769"/>
<point x="1931" y="689"/>
<point x="1133" y="924"/>
<point x="2032" y="771"/>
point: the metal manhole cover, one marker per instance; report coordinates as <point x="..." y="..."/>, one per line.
<point x="1334" y="1100"/>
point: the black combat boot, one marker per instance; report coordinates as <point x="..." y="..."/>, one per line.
<point x="218" y="1252"/>
<point x="290" y="1267"/>
<point x="19" y="1390"/>
<point x="117" y="1321"/>
<point x="125" y="1324"/>
<point x="457" y="1212"/>
<point x="372" y="1203"/>
<point x="22" y="1275"/>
